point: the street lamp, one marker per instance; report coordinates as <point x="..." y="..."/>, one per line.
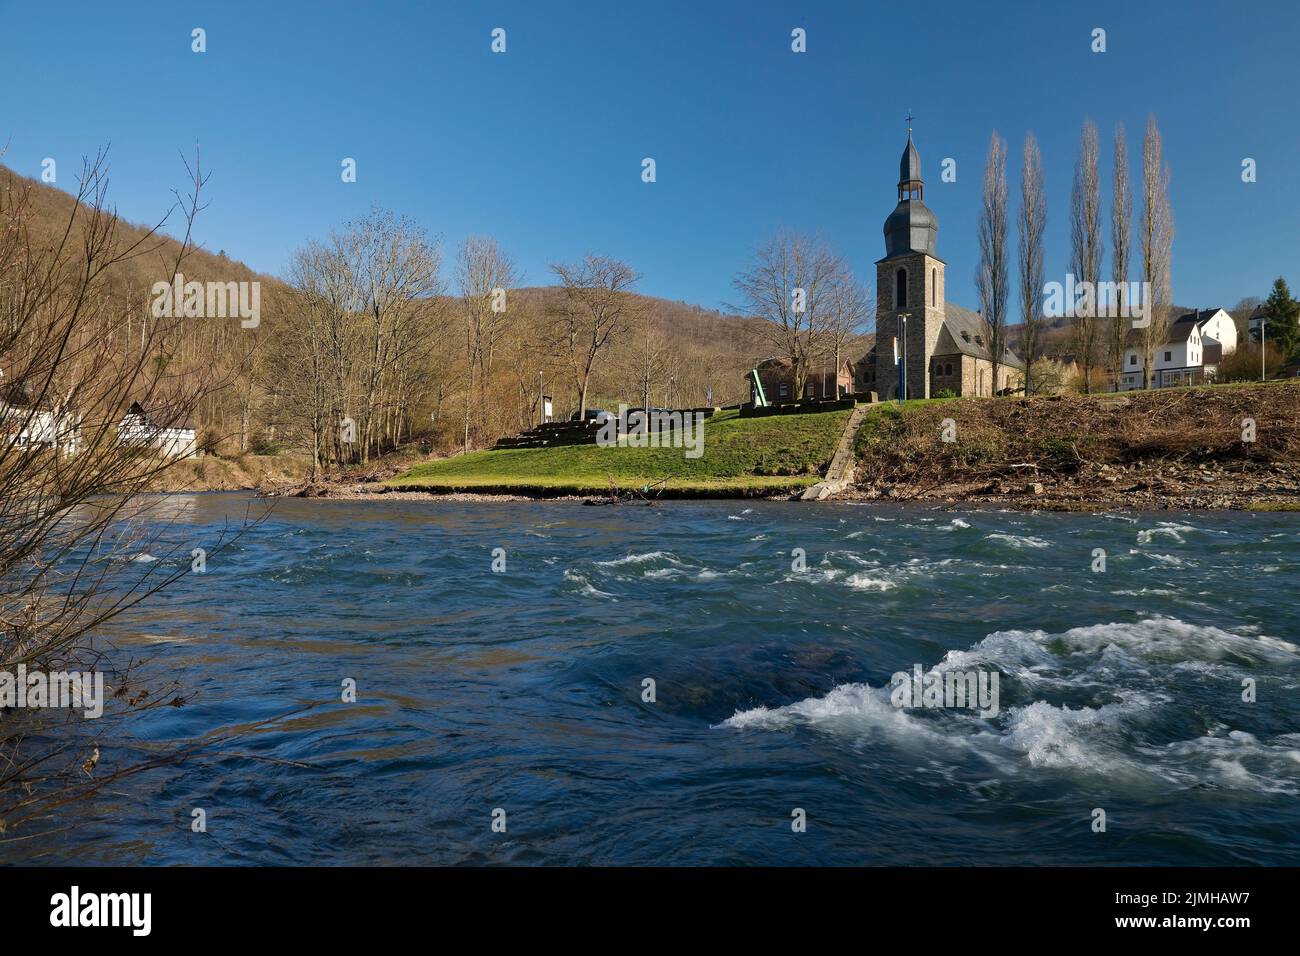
<point x="1263" y="321"/>
<point x="902" y="362"/>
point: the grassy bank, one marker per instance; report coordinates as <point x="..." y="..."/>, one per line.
<point x="1168" y="448"/>
<point x="741" y="456"/>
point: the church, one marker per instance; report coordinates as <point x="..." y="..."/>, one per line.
<point x="947" y="347"/>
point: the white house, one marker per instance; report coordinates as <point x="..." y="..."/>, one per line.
<point x="31" y="427"/>
<point x="1195" y="345"/>
<point x="137" y="428"/>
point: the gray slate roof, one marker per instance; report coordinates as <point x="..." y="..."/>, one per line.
<point x="966" y="333"/>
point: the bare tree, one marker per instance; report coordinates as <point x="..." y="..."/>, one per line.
<point x="1121" y="241"/>
<point x="597" y="308"/>
<point x="850" y="310"/>
<point x="646" y="364"/>
<point x="358" y="337"/>
<point x="789" y="286"/>
<point x="315" y="354"/>
<point x="396" y="268"/>
<point x="991" y="276"/>
<point x="1032" y="224"/>
<point x="1156" y="234"/>
<point x="72" y="510"/>
<point x="1086" y="249"/>
<point x="485" y="276"/>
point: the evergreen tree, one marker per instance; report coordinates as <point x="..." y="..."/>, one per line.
<point x="1282" y="315"/>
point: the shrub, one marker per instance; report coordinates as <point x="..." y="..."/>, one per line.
<point x="262" y="444"/>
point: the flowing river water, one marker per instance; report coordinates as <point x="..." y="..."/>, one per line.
<point x="523" y="691"/>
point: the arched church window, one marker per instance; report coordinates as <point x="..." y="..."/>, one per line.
<point x="934" y="286"/>
<point x="900" y="289"/>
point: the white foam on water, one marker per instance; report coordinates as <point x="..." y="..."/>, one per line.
<point x="144" y="557"/>
<point x="1018" y="540"/>
<point x="819" y="575"/>
<point x="585" y="587"/>
<point x="1164" y="558"/>
<point x="1065" y="737"/>
<point x="1090" y="740"/>
<point x="645" y="558"/>
<point x="865" y="582"/>
<point x="1172" y="530"/>
<point x="850" y="707"/>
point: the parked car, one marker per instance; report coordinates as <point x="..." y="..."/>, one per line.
<point x="593" y="415"/>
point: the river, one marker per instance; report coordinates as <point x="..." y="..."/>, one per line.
<point x="520" y="695"/>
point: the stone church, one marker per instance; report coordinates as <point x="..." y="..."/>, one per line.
<point x="947" y="346"/>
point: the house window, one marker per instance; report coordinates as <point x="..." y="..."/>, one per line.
<point x="1169" y="356"/>
<point x="900" y="289"/>
<point x="810" y="390"/>
<point x="785" y="389"/>
<point x="1132" y="360"/>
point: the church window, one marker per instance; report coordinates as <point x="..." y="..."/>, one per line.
<point x="900" y="289"/>
<point x="785" y="389"/>
<point x="934" y="286"/>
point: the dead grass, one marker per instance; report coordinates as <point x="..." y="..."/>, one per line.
<point x="1062" y="436"/>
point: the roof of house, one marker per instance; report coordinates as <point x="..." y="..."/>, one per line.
<point x="1200" y="315"/>
<point x="1180" y="330"/>
<point x="968" y="334"/>
<point x="15" y="395"/>
<point x="164" y="415"/>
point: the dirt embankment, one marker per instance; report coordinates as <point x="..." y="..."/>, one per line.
<point x="1220" y="447"/>
<point x="265" y="473"/>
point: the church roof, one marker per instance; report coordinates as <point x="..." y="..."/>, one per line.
<point x="965" y="332"/>
<point x="911" y="227"/>
<point x="909" y="167"/>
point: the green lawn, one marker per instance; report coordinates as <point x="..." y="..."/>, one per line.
<point x="740" y="456"/>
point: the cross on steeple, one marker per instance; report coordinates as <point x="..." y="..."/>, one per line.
<point x="910" y="117"/>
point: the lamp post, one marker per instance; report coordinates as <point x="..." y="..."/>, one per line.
<point x="1263" y="322"/>
<point x="902" y="361"/>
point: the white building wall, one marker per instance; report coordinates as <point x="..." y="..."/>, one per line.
<point x="1222" y="329"/>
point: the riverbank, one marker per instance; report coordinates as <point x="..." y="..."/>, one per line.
<point x="1230" y="447"/>
<point x="1222" y="448"/>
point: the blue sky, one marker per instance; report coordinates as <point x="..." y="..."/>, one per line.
<point x="541" y="147"/>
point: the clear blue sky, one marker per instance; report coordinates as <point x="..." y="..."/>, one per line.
<point x="541" y="147"/>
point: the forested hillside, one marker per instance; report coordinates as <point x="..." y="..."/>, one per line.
<point x="396" y="332"/>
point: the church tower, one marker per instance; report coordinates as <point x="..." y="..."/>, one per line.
<point x="909" y="282"/>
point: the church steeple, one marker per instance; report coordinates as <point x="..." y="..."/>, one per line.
<point x="910" y="183"/>
<point x="910" y="306"/>
<point x="911" y="227"/>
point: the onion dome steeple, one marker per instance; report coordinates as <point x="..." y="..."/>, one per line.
<point x="911" y="227"/>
